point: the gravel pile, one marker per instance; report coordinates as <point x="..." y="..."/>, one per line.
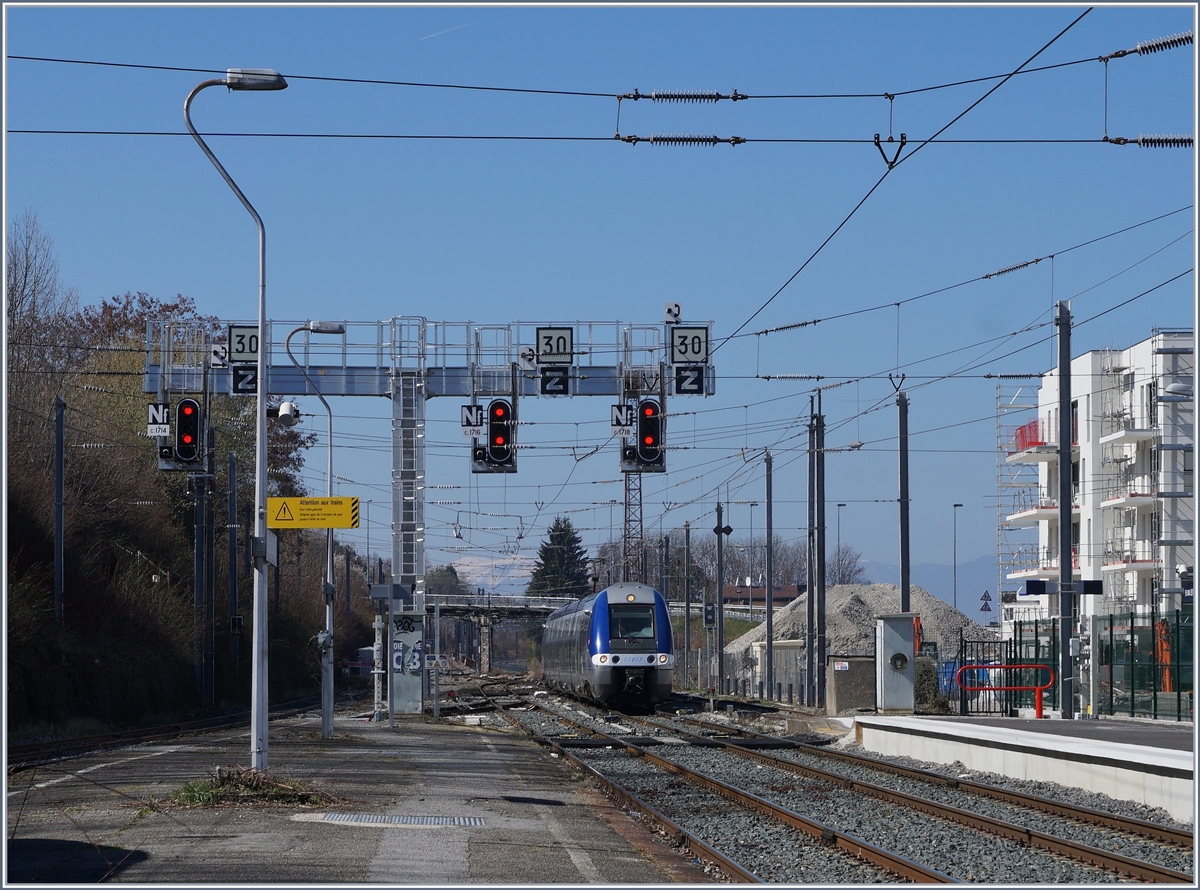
<point x="850" y="612"/>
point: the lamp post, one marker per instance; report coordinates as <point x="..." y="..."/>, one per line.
<point x="325" y="643"/>
<point x="750" y="582"/>
<point x="838" y="555"/>
<point x="253" y="79"/>
<point x="954" y="581"/>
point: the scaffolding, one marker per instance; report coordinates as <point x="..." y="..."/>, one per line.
<point x="1147" y="448"/>
<point x="1017" y="489"/>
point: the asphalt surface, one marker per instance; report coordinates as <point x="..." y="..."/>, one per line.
<point x="510" y="813"/>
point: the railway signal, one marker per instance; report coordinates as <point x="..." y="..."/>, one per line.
<point x="188" y="426"/>
<point x="649" y="430"/>
<point x="497" y="454"/>
<point x="710" y="614"/>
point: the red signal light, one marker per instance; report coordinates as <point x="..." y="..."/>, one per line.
<point x="187" y="431"/>
<point x="499" y="451"/>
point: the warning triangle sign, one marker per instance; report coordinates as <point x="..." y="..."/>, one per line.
<point x="987" y="597"/>
<point x="985" y="608"/>
<point x="284" y="514"/>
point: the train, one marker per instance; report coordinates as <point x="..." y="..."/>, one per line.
<point x="613" y="648"/>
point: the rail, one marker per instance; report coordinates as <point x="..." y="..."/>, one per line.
<point x="1037" y="690"/>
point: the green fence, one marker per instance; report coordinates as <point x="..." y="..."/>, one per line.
<point x="1139" y="664"/>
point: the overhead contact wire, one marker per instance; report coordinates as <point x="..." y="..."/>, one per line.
<point x="891" y="167"/>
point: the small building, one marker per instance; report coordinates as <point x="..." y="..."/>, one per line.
<point x="756" y="595"/>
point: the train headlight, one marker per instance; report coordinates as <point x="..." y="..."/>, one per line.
<point x="662" y="659"/>
<point x="650" y="659"/>
<point x="616" y="658"/>
<point x="629" y="598"/>
<point x="604" y="659"/>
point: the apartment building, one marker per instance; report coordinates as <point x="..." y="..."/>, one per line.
<point x="1132" y="471"/>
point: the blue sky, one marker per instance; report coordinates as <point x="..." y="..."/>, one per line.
<point x="498" y="231"/>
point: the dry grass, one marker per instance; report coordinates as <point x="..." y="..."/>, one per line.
<point x="238" y="786"/>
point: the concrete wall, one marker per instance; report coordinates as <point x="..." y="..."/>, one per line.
<point x="1153" y="776"/>
<point x="849" y="684"/>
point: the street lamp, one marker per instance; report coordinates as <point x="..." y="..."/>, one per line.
<point x="750" y="581"/>
<point x="253" y="79"/>
<point x="326" y="642"/>
<point x="954" y="582"/>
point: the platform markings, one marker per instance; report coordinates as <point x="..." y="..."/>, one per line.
<point x="92" y="768"/>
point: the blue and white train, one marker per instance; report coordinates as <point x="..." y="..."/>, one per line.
<point x="613" y="647"/>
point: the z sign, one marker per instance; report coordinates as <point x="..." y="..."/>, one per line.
<point x="689" y="380"/>
<point x="245" y="381"/>
<point x="555" y="381"/>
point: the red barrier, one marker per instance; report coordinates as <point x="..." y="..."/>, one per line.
<point x="1038" y="690"/>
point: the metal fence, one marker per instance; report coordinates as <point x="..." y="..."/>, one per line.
<point x="1143" y="665"/>
<point x="1133" y="664"/>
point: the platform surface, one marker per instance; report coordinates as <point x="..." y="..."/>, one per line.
<point x="423" y="803"/>
<point x="1172" y="735"/>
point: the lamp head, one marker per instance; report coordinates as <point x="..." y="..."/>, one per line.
<point x="254" y="79"/>
<point x="326" y="327"/>
<point x="289" y="413"/>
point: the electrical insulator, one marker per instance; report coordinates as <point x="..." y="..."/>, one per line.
<point x="1161" y="43"/>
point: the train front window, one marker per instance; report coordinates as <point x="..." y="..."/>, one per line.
<point x="631" y="621"/>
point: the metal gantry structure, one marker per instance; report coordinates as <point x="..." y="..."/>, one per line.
<point x="410" y="359"/>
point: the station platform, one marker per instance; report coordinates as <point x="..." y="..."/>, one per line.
<point x="432" y="803"/>
<point x="1146" y="761"/>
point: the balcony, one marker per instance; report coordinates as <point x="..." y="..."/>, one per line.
<point x="1131" y="490"/>
<point x="1130" y="555"/>
<point x="1035" y="442"/>
<point x="1035" y="562"/>
<point x="1129" y="436"/>
<point x="1040" y="505"/>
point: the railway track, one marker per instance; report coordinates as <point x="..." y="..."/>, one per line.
<point x="976" y="832"/>
<point x="1166" y="834"/>
<point x="688" y="814"/>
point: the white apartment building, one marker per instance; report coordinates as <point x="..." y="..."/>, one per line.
<point x="1132" y="460"/>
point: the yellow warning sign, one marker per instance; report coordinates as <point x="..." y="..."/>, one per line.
<point x="312" y="512"/>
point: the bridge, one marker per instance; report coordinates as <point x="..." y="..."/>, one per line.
<point x="496" y="606"/>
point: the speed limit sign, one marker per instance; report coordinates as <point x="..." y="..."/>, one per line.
<point x="243" y="344"/>
<point x="689" y="345"/>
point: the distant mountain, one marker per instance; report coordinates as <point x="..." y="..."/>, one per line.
<point x="974" y="578"/>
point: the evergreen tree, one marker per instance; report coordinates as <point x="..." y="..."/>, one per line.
<point x="562" y="565"/>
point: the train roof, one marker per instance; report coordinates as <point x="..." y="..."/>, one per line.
<point x="588" y="601"/>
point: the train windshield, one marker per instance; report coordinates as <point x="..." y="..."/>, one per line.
<point x="634" y="621"/>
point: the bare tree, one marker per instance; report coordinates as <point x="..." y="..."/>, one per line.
<point x="845" y="567"/>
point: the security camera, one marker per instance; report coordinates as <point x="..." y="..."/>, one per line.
<point x="289" y="413"/>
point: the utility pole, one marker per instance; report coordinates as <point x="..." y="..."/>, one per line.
<point x="210" y="571"/>
<point x="905" y="571"/>
<point x="664" y="582"/>
<point x="770" y="674"/>
<point x="810" y="631"/>
<point x="1065" y="574"/>
<point x="687" y="603"/>
<point x="198" y="585"/>
<point x="59" y="447"/>
<point x="722" y="531"/>
<point x="235" y="624"/>
<point x="819" y="571"/>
